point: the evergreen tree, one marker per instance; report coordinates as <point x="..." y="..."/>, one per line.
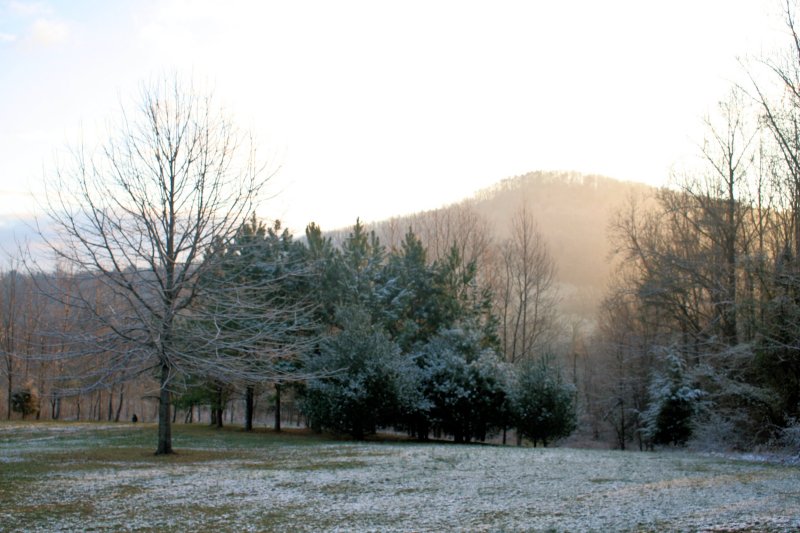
<point x="256" y="310"/>
<point x="324" y="272"/>
<point x="411" y="297"/>
<point x="543" y="406"/>
<point x="356" y="384"/>
<point x="463" y="386"/>
<point x="673" y="403"/>
<point x="463" y="299"/>
<point x="360" y="270"/>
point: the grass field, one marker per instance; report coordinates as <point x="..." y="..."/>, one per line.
<point x="93" y="477"/>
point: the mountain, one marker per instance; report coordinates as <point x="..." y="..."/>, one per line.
<point x="573" y="212"/>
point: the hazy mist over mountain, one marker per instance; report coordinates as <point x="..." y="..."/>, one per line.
<point x="572" y="211"/>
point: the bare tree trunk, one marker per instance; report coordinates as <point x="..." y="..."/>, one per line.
<point x="119" y="403"/>
<point x="9" y="389"/>
<point x="55" y="408"/>
<point x="97" y="410"/>
<point x="277" y="407"/>
<point x="249" y="394"/>
<point x="110" y="404"/>
<point x="164" y="422"/>
<point x="219" y="408"/>
<point x="9" y="334"/>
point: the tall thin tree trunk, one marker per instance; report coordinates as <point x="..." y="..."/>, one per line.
<point x="220" y="409"/>
<point x="55" y="408"/>
<point x="110" y="404"/>
<point x="98" y="409"/>
<point x="8" y="396"/>
<point x="164" y="422"/>
<point x="249" y="394"/>
<point x="119" y="403"/>
<point x="277" y="407"/>
<point x="10" y="385"/>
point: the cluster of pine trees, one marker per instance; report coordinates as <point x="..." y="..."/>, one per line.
<point x="361" y="337"/>
<point x="154" y="276"/>
<point x="385" y="339"/>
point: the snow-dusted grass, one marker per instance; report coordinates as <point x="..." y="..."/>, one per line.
<point x="78" y="477"/>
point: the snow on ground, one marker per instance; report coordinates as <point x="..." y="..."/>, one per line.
<point x="418" y="487"/>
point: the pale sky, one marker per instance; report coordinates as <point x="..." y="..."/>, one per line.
<point x="373" y="108"/>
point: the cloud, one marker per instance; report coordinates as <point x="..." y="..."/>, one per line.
<point x="29" y="9"/>
<point x="33" y="23"/>
<point x="47" y="32"/>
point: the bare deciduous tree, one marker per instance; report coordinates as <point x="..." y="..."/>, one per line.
<point x="526" y="297"/>
<point x="779" y="100"/>
<point x="136" y="221"/>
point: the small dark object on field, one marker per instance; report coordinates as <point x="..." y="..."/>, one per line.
<point x="134" y="418"/>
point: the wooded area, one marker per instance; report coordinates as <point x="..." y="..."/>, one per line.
<point x="166" y="294"/>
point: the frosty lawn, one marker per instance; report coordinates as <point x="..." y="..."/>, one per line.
<point x="106" y="478"/>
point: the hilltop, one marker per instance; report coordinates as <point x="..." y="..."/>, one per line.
<point x="571" y="210"/>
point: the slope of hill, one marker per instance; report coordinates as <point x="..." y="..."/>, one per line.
<point x="572" y="211"/>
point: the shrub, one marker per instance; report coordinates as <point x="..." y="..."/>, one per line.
<point x="25" y="401"/>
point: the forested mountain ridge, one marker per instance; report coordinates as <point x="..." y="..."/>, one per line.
<point x="572" y="211"/>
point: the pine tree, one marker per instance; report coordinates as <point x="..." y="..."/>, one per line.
<point x="673" y="403"/>
<point x="254" y="311"/>
<point x="543" y="406"/>
<point x="357" y="378"/>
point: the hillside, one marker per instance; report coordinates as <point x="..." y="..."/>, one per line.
<point x="572" y="211"/>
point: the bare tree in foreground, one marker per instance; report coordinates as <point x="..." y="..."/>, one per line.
<point x="139" y="217"/>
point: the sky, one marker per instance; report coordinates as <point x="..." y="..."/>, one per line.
<point x="373" y="109"/>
